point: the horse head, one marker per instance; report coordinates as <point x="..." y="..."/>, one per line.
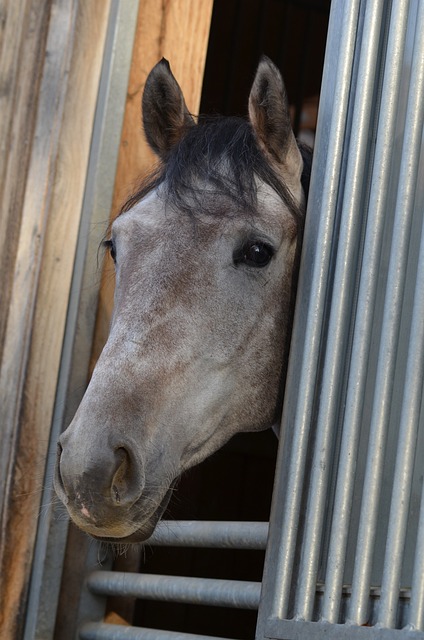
<point x="205" y="257"/>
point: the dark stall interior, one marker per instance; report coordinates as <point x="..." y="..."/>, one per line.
<point x="236" y="483"/>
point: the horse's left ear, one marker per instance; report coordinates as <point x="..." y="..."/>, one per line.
<point x="270" y="118"/>
<point x="165" y="114"/>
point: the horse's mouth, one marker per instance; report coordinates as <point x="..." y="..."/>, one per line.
<point x="145" y="531"/>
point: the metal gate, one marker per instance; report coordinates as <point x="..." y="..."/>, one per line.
<point x="345" y="552"/>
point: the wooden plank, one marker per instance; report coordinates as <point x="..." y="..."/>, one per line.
<point x="23" y="32"/>
<point x="41" y="281"/>
<point x="178" y="31"/>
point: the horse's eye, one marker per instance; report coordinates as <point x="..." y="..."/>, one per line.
<point x="254" y="254"/>
<point x="109" y="244"/>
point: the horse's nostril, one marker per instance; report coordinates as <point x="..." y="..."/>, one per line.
<point x="92" y="481"/>
<point x="127" y="482"/>
<point x="58" y="476"/>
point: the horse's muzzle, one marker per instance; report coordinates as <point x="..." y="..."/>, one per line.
<point x="99" y="488"/>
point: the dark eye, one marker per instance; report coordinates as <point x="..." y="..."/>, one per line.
<point x="110" y="245"/>
<point x="254" y="254"/>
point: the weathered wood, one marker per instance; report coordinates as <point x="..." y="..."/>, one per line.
<point x="178" y="31"/>
<point x="40" y="275"/>
<point x="24" y="25"/>
<point x="50" y="62"/>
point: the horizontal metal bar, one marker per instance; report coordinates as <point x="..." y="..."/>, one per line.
<point x="102" y="631"/>
<point x="236" y="594"/>
<point x="299" y="630"/>
<point x="223" y="535"/>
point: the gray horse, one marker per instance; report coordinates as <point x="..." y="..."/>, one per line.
<point x="205" y="255"/>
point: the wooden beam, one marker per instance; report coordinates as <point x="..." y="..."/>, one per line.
<point x="178" y="31"/>
<point x="69" y="60"/>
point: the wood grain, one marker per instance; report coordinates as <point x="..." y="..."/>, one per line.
<point x="24" y="25"/>
<point x="179" y="31"/>
<point x="69" y="59"/>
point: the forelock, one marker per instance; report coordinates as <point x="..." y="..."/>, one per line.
<point x="219" y="159"/>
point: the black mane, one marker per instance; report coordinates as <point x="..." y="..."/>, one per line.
<point x="223" y="154"/>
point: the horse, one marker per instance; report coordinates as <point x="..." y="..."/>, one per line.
<point x="206" y="255"/>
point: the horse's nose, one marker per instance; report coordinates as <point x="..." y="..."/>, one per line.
<point x="112" y="477"/>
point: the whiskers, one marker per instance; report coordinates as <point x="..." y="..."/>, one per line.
<point x="53" y="508"/>
<point x="38" y="489"/>
<point x="125" y="550"/>
<point x="104" y="552"/>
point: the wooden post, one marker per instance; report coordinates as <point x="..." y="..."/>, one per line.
<point x="178" y="31"/>
<point x="53" y="79"/>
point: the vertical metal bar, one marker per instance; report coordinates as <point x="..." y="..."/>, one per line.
<point x="363" y="323"/>
<point x="310" y="309"/>
<point x="341" y="309"/>
<point x="416" y="612"/>
<point x="415" y="366"/>
<point x="383" y="392"/>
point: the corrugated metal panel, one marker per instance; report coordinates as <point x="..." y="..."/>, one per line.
<point x="351" y="465"/>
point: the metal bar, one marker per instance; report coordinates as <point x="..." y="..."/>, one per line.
<point x="363" y="323"/>
<point x="211" y="534"/>
<point x="411" y="407"/>
<point x="236" y="594"/>
<point x="102" y="631"/>
<point x="306" y="337"/>
<point x="383" y="389"/>
<point x="416" y="612"/>
<point x="294" y="630"/>
<point x="341" y="309"/>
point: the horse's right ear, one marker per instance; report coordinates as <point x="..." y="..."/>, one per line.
<point x="165" y="114"/>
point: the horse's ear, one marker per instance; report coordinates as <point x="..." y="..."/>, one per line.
<point x="165" y="114"/>
<point x="270" y="118"/>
